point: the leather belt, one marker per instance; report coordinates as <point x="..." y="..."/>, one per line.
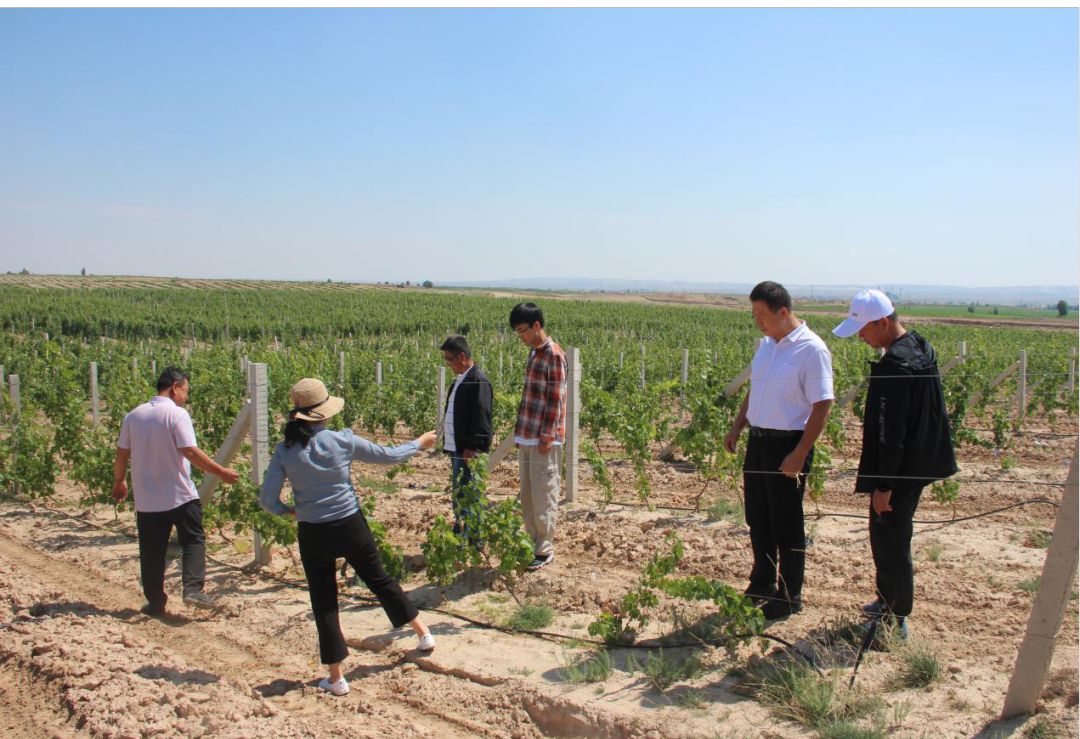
<point x="774" y="433"/>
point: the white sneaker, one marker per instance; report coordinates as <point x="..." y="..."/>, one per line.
<point x="426" y="642"/>
<point x="341" y="687"/>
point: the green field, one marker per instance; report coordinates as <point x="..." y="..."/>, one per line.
<point x="930" y="310"/>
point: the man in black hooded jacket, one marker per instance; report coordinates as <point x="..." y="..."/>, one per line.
<point x="906" y="445"/>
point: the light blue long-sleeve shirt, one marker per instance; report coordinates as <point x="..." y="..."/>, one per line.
<point x="319" y="473"/>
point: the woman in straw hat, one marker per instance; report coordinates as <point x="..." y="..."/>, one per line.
<point x="317" y="461"/>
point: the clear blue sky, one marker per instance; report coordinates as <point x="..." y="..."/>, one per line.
<point x="803" y="145"/>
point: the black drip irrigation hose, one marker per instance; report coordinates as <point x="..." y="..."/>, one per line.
<point x="871" y="632"/>
<point x="947" y="521"/>
<point x="829" y="514"/>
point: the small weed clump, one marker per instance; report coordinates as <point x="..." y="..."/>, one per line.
<point x="920" y="668"/>
<point x="1042" y="728"/>
<point x="530" y="617"/>
<point x="691" y="699"/>
<point x="933" y="551"/>
<point x="662" y="671"/>
<point x="1038" y="539"/>
<point x="1030" y="585"/>
<point x="376" y="485"/>
<point x="594" y="667"/>
<point x="724" y="509"/>
<point x="797" y="693"/>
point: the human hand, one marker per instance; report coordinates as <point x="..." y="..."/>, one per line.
<point x="881" y="501"/>
<point x="792" y="465"/>
<point x="731" y="441"/>
<point x="543" y="447"/>
<point x="426" y="441"/>
<point x="119" y="491"/>
<point x="228" y="475"/>
<point x="469" y="454"/>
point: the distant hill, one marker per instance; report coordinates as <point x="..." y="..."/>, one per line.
<point x="1034" y="295"/>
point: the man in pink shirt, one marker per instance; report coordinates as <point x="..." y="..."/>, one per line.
<point x="159" y="440"/>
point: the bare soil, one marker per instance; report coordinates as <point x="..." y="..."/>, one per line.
<point x="77" y="658"/>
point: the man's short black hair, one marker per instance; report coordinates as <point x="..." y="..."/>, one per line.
<point x="457" y="344"/>
<point x="773" y="294"/>
<point x="528" y="313"/>
<point x="169" y="377"/>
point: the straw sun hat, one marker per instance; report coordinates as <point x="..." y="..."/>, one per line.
<point x="311" y="401"/>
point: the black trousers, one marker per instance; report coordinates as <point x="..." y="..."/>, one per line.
<point x="774" y="514"/>
<point x="890" y="543"/>
<point x="154" y="530"/>
<point x="460" y="476"/>
<point x="320" y="546"/>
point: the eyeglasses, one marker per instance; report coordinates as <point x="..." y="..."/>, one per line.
<point x="521" y="330"/>
<point x="450" y="359"/>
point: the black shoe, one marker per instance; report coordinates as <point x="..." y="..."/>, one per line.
<point x="875" y="609"/>
<point x="152" y="611"/>
<point x="781" y="608"/>
<point x="200" y="599"/>
<point x="756" y="594"/>
<point x="542" y="560"/>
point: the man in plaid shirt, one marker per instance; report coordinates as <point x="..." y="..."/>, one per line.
<point x="540" y="429"/>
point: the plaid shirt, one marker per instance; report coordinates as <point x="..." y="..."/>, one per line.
<point x="542" y="412"/>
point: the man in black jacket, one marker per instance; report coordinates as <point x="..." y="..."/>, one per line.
<point x="906" y="445"/>
<point x="466" y="419"/>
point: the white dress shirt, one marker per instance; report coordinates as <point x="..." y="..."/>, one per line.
<point x="787" y="377"/>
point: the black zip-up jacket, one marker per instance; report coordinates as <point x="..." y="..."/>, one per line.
<point x="472" y="412"/>
<point x="905" y="425"/>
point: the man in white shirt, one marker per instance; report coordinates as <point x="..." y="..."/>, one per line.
<point x="788" y="404"/>
<point x="159" y="440"/>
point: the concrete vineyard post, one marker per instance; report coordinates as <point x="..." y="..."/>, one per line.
<point x="1048" y="611"/>
<point x="684" y="376"/>
<point x="441" y="400"/>
<point x="134" y="365"/>
<point x="1021" y="386"/>
<point x="95" y="403"/>
<point x="13" y="393"/>
<point x="341" y="370"/>
<point x="1071" y="380"/>
<point x="260" y="441"/>
<point x="153" y="369"/>
<point x="642" y="366"/>
<point x="573" y="411"/>
<point x="1005" y="374"/>
<point x="229" y="448"/>
<point x="378" y="373"/>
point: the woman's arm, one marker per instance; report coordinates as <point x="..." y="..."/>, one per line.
<point x="369" y="451"/>
<point x="270" y="492"/>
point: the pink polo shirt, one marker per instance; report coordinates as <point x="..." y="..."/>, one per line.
<point x="160" y="475"/>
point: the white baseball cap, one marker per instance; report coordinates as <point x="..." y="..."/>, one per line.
<point x="869" y="305"/>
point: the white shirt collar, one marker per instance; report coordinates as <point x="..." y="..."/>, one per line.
<point x="794" y="333"/>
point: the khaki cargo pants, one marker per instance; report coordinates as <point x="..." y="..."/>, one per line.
<point x="539" y="494"/>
